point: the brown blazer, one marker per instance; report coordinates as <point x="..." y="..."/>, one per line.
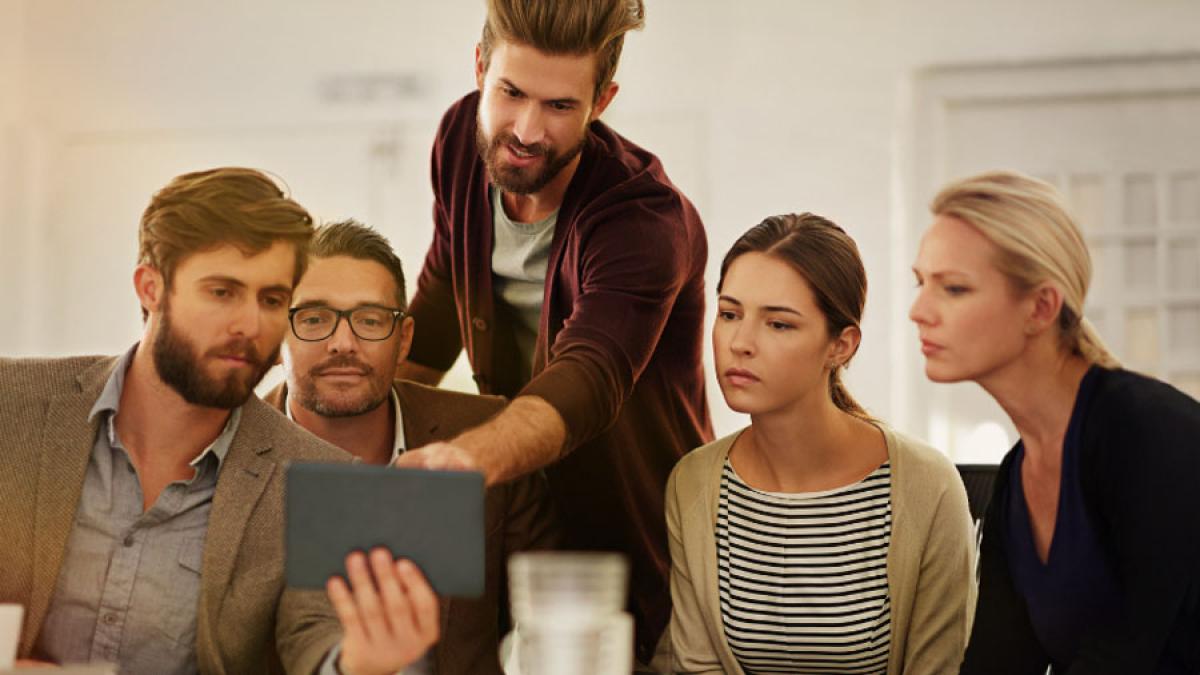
<point x="244" y="606"/>
<point x="518" y="517"/>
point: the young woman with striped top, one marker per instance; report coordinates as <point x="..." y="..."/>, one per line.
<point x="816" y="540"/>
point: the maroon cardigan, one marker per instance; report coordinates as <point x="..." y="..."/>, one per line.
<point x="618" y="353"/>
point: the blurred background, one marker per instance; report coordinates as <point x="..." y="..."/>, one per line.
<point x="856" y="109"/>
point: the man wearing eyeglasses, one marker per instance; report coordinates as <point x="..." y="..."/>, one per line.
<point x="348" y="333"/>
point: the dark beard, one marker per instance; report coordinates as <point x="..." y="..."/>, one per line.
<point x="308" y="398"/>
<point x="178" y="365"/>
<point x="521" y="181"/>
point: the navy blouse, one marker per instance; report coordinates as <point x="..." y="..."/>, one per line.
<point x="1076" y="588"/>
<point x="1119" y="593"/>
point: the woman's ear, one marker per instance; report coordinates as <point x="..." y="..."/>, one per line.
<point x="843" y="347"/>
<point x="1047" y="304"/>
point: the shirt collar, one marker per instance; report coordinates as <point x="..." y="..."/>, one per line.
<point x="398" y="442"/>
<point x="110" y="396"/>
<point x="109" y="403"/>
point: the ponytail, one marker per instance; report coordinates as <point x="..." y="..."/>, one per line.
<point x="1084" y="341"/>
<point x="842" y="398"/>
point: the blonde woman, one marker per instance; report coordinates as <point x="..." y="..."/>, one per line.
<point x="1091" y="549"/>
<point x="816" y="540"/>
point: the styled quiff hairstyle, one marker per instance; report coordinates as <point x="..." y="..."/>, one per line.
<point x="352" y="239"/>
<point x="1038" y="242"/>
<point x="199" y="211"/>
<point x="827" y="258"/>
<point x="576" y="27"/>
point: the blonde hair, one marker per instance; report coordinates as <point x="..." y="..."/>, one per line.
<point x="575" y="27"/>
<point x="1038" y="241"/>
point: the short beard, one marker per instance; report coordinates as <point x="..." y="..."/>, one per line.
<point x="178" y="366"/>
<point x="307" y="397"/>
<point x="519" y="181"/>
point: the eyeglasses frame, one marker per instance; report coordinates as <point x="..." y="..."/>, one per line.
<point x="397" y="315"/>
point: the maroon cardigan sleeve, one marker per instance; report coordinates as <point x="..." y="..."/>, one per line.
<point x="634" y="257"/>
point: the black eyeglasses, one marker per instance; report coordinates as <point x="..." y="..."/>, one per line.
<point x="313" y="324"/>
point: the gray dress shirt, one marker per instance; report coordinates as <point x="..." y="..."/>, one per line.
<point x="129" y="585"/>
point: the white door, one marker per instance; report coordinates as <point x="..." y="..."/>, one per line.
<point x="1122" y="140"/>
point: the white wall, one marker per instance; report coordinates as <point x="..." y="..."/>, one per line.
<point x="756" y="108"/>
<point x="14" y="292"/>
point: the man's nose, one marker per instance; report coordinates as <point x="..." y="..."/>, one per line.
<point x="248" y="320"/>
<point x="343" y="339"/>
<point x="529" y="127"/>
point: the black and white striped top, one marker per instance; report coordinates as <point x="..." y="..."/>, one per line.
<point x="803" y="576"/>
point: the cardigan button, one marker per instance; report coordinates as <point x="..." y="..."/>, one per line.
<point x="479" y="324"/>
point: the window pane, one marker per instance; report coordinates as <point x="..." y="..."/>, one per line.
<point x="1183" y="326"/>
<point x="1140" y="268"/>
<point x="1140" y="201"/>
<point x="1183" y="264"/>
<point x="1087" y="200"/>
<point x="1141" y="337"/>
<point x="1185" y="197"/>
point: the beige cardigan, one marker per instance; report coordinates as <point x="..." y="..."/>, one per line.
<point x="930" y="562"/>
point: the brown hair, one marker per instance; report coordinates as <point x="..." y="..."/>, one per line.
<point x="827" y="258"/>
<point x="576" y="27"/>
<point x="198" y="211"/>
<point x="352" y="239"/>
<point x="1038" y="241"/>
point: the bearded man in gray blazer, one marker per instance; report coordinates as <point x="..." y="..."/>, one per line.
<point x="141" y="496"/>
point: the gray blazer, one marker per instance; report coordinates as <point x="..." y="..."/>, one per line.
<point x="247" y="620"/>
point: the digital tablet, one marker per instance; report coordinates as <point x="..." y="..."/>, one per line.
<point x="434" y="518"/>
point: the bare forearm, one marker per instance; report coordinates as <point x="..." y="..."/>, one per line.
<point x="526" y="436"/>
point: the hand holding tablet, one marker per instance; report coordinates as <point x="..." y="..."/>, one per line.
<point x="388" y="612"/>
<point x="409" y="520"/>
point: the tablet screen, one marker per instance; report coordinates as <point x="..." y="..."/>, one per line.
<point x="434" y="518"/>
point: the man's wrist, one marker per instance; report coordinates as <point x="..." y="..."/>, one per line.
<point x="472" y="443"/>
<point x="524" y="437"/>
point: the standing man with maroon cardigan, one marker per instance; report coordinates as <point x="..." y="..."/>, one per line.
<point x="572" y="271"/>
